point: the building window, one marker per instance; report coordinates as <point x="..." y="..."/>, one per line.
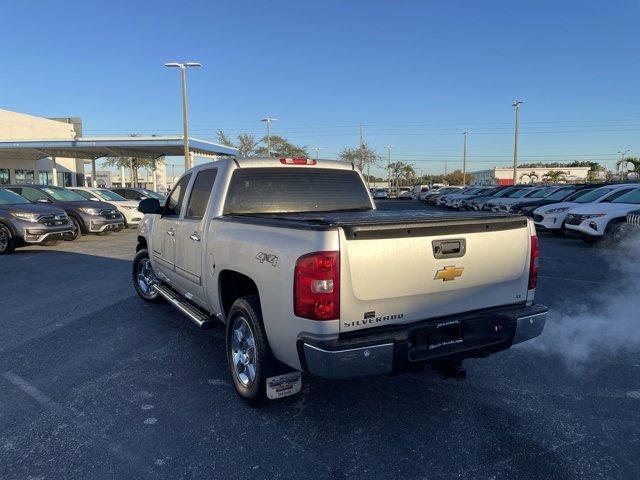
<point x="64" y="179"/>
<point x="24" y="176"/>
<point x="4" y="176"/>
<point x="45" y="177"/>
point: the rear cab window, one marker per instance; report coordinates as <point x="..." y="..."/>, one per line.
<point x="289" y="190"/>
<point x="200" y="193"/>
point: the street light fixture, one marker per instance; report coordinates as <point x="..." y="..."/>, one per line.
<point x="516" y="104"/>
<point x="389" y="147"/>
<point x="464" y="161"/>
<point x="185" y="121"/>
<point x="317" y="149"/>
<point x="268" y="121"/>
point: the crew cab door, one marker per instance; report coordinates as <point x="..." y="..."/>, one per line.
<point x="163" y="241"/>
<point x="190" y="236"/>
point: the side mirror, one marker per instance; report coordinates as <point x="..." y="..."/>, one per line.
<point x="42" y="200"/>
<point x="150" y="205"/>
<point x="94" y="199"/>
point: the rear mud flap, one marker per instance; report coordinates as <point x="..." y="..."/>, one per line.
<point x="284" y="385"/>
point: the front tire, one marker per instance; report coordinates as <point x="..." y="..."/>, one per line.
<point x="248" y="353"/>
<point x="144" y="278"/>
<point x="6" y="241"/>
<point x="77" y="230"/>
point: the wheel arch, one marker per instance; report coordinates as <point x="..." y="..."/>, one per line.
<point x="233" y="285"/>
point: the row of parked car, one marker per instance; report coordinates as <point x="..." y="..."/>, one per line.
<point x="592" y="212"/>
<point x="45" y="214"/>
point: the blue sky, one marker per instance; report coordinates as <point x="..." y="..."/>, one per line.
<point x="415" y="73"/>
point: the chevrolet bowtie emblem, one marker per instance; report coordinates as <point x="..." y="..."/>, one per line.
<point x="448" y="273"/>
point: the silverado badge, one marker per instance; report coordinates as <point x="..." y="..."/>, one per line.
<point x="448" y="273"/>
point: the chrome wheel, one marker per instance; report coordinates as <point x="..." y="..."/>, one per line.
<point x="145" y="276"/>
<point x="243" y="352"/>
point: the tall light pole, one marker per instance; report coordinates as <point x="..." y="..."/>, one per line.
<point x="622" y="165"/>
<point x="317" y="149"/>
<point x="464" y="161"/>
<point x="516" y="104"/>
<point x="268" y="121"/>
<point x="185" y="118"/>
<point x="389" y="147"/>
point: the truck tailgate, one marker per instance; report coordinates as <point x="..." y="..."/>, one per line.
<point x="419" y="269"/>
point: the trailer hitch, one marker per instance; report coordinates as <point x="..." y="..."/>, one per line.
<point x="452" y="370"/>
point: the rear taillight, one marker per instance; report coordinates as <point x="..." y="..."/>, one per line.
<point x="533" y="265"/>
<point x="316" y="286"/>
<point x="297" y="161"/>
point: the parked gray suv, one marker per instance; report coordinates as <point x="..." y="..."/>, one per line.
<point x="23" y="223"/>
<point x="86" y="216"/>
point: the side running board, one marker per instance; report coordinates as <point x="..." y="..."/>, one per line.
<point x="203" y="321"/>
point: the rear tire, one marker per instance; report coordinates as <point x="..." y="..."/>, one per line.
<point x="144" y="278"/>
<point x="248" y="354"/>
<point x="7" y="244"/>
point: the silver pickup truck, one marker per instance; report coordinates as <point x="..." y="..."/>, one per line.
<point x="292" y="257"/>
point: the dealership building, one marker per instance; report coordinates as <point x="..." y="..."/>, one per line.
<point x="504" y="175"/>
<point x="53" y="151"/>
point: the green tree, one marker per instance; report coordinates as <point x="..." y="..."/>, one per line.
<point x="133" y="164"/>
<point x="248" y="146"/>
<point x="635" y="163"/>
<point x="280" y="147"/>
<point x="554" y="176"/>
<point x="361" y="157"/>
<point x="456" y="178"/>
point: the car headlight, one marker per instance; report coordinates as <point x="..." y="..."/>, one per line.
<point x="91" y="211"/>
<point x="29" y="217"/>
<point x="126" y="207"/>
<point x="558" y="210"/>
<point x="593" y="215"/>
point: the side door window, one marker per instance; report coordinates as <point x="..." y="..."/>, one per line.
<point x="174" y="203"/>
<point x="200" y="193"/>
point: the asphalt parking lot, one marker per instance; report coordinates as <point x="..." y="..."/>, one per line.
<point x="95" y="383"/>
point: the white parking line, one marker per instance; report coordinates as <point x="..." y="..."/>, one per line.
<point x="49" y="404"/>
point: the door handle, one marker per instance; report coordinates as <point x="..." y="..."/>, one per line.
<point x="171" y="232"/>
<point x="195" y="237"/>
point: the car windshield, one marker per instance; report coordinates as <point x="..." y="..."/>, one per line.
<point x="108" y="195"/>
<point x="543" y="192"/>
<point x="594" y="195"/>
<point x="505" y="192"/>
<point x="85" y="194"/>
<point x="151" y="194"/>
<point x="560" y="194"/>
<point x="632" y="197"/>
<point x="63" y="194"/>
<point x="576" y="195"/>
<point x="487" y="191"/>
<point x="520" y="193"/>
<point x="7" y="197"/>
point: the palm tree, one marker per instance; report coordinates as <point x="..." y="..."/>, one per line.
<point x="554" y="176"/>
<point x="630" y="160"/>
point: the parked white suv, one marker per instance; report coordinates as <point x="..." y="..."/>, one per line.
<point x="128" y="208"/>
<point x="603" y="220"/>
<point x="552" y="217"/>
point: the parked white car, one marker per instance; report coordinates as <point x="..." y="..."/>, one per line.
<point x="128" y="208"/>
<point x="603" y="220"/>
<point x="552" y="217"/>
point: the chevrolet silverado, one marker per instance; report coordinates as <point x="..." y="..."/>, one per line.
<point x="292" y="257"/>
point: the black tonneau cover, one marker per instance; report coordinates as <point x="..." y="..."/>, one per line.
<point x="388" y="224"/>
